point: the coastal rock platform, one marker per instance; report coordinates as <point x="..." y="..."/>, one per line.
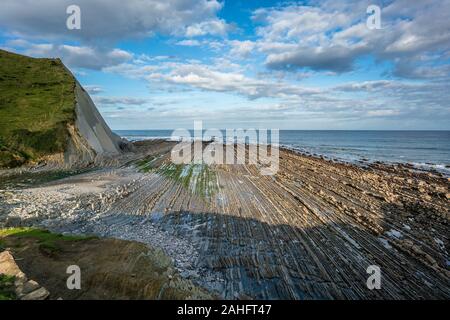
<point x="309" y="232"/>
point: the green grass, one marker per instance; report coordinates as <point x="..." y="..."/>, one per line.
<point x="7" y="287"/>
<point x="198" y="178"/>
<point x="46" y="239"/>
<point x="37" y="101"/>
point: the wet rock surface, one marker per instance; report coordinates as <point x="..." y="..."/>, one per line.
<point x="309" y="232"/>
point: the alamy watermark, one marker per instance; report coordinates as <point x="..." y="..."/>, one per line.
<point x="374" y="19"/>
<point x="73" y="22"/>
<point x="74" y="280"/>
<point x="238" y="146"/>
<point x="374" y="280"/>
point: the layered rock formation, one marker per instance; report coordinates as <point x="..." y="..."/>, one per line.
<point x="47" y="118"/>
<point x="90" y="136"/>
<point x="309" y="232"/>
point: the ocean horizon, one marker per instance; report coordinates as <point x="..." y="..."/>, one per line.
<point x="424" y="149"/>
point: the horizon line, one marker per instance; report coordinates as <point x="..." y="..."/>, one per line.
<point x="223" y="129"/>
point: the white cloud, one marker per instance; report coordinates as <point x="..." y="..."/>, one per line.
<point x="73" y="56"/>
<point x="215" y="27"/>
<point x="214" y="78"/>
<point x="241" y="48"/>
<point x="112" y="20"/>
<point x="332" y="35"/>
<point x="298" y="23"/>
<point x="383" y="113"/>
<point x="93" y="89"/>
<point x="279" y="99"/>
<point x="188" y="43"/>
<point x="79" y="56"/>
<point x="130" y="101"/>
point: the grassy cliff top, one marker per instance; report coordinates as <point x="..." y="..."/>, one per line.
<point x="37" y="100"/>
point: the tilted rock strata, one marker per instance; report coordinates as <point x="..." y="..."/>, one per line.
<point x="309" y="232"/>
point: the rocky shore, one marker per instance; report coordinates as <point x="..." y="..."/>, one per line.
<point x="309" y="232"/>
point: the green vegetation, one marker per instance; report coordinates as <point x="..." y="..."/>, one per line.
<point x="147" y="164"/>
<point x="198" y="178"/>
<point x="46" y="239"/>
<point x="7" y="287"/>
<point x="36" y="103"/>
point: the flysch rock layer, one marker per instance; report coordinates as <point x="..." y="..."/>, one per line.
<point x="91" y="140"/>
<point x="92" y="126"/>
<point x="309" y="232"/>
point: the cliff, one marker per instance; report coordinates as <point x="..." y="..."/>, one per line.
<point x="46" y="117"/>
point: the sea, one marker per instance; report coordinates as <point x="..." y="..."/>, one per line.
<point x="425" y="150"/>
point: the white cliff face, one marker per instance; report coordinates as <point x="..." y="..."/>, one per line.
<point x="91" y="137"/>
<point x="92" y="126"/>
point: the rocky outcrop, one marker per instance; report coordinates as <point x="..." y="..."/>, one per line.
<point x="24" y="288"/>
<point x="90" y="136"/>
<point x="47" y="119"/>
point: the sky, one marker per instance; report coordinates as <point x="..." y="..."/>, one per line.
<point x="163" y="64"/>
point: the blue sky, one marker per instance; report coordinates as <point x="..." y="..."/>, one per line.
<point x="161" y="64"/>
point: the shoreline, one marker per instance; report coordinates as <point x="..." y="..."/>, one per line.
<point x="427" y="151"/>
<point x="364" y="163"/>
<point x="440" y="168"/>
